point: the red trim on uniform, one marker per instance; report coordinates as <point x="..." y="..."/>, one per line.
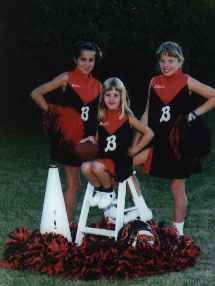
<point x="113" y="121"/>
<point x="86" y="86"/>
<point x="167" y="87"/>
<point x="147" y="165"/>
<point x="109" y="165"/>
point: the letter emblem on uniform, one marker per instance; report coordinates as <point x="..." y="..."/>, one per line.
<point x="85" y="113"/>
<point x="165" y="116"/>
<point x="111" y="143"/>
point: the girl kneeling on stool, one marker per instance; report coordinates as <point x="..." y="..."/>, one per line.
<point x="114" y="137"/>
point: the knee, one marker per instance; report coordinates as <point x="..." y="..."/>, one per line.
<point x="98" y="168"/>
<point x="178" y="186"/>
<point x="86" y="168"/>
<point x="73" y="187"/>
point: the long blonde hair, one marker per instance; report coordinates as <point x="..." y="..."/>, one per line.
<point x="118" y="85"/>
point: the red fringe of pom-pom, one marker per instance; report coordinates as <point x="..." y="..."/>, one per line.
<point x="99" y="257"/>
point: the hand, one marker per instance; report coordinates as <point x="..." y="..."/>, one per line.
<point x="51" y="108"/>
<point x="50" y="117"/>
<point x="90" y="139"/>
<point x="131" y="152"/>
<point x="192" y="116"/>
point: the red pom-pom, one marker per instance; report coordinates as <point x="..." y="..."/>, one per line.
<point x="65" y="123"/>
<point x="86" y="151"/>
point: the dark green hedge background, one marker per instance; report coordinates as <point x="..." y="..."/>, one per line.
<point x="37" y="37"/>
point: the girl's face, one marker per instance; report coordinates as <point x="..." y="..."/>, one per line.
<point x="112" y="99"/>
<point x="86" y="61"/>
<point x="169" y="64"/>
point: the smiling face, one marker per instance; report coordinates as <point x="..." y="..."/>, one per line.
<point x="86" y="61"/>
<point x="112" y="99"/>
<point x="169" y="64"/>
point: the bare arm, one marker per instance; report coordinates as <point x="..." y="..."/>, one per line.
<point x="38" y="94"/>
<point x="144" y="117"/>
<point x="91" y="139"/>
<point x="145" y="132"/>
<point x="205" y="91"/>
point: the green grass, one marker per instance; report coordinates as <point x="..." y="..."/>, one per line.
<point x="23" y="174"/>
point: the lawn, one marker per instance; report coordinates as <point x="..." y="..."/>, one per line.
<point x="23" y="173"/>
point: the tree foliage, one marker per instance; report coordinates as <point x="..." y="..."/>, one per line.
<point x="38" y="36"/>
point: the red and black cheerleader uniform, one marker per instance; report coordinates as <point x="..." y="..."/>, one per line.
<point x="169" y="96"/>
<point x="114" y="138"/>
<point x="72" y="116"/>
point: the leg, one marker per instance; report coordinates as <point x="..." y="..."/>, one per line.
<point x="87" y="170"/>
<point x="107" y="195"/>
<point x="102" y="175"/>
<point x="140" y="158"/>
<point x="180" y="203"/>
<point x="179" y="199"/>
<point x="72" y="188"/>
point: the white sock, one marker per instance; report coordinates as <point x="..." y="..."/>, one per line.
<point x="180" y="227"/>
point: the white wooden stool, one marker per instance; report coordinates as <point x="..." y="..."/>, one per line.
<point x="143" y="211"/>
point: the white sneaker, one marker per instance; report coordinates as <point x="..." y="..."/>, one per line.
<point x="94" y="200"/>
<point x="110" y="212"/>
<point x="106" y="200"/>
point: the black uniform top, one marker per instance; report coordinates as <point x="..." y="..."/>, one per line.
<point x="169" y="97"/>
<point x="74" y="115"/>
<point x="114" y="138"/>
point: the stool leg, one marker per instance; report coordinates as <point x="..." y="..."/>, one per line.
<point x="84" y="214"/>
<point x="144" y="212"/>
<point x="120" y="207"/>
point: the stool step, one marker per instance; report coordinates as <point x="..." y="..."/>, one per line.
<point x="122" y="215"/>
<point x="98" y="231"/>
